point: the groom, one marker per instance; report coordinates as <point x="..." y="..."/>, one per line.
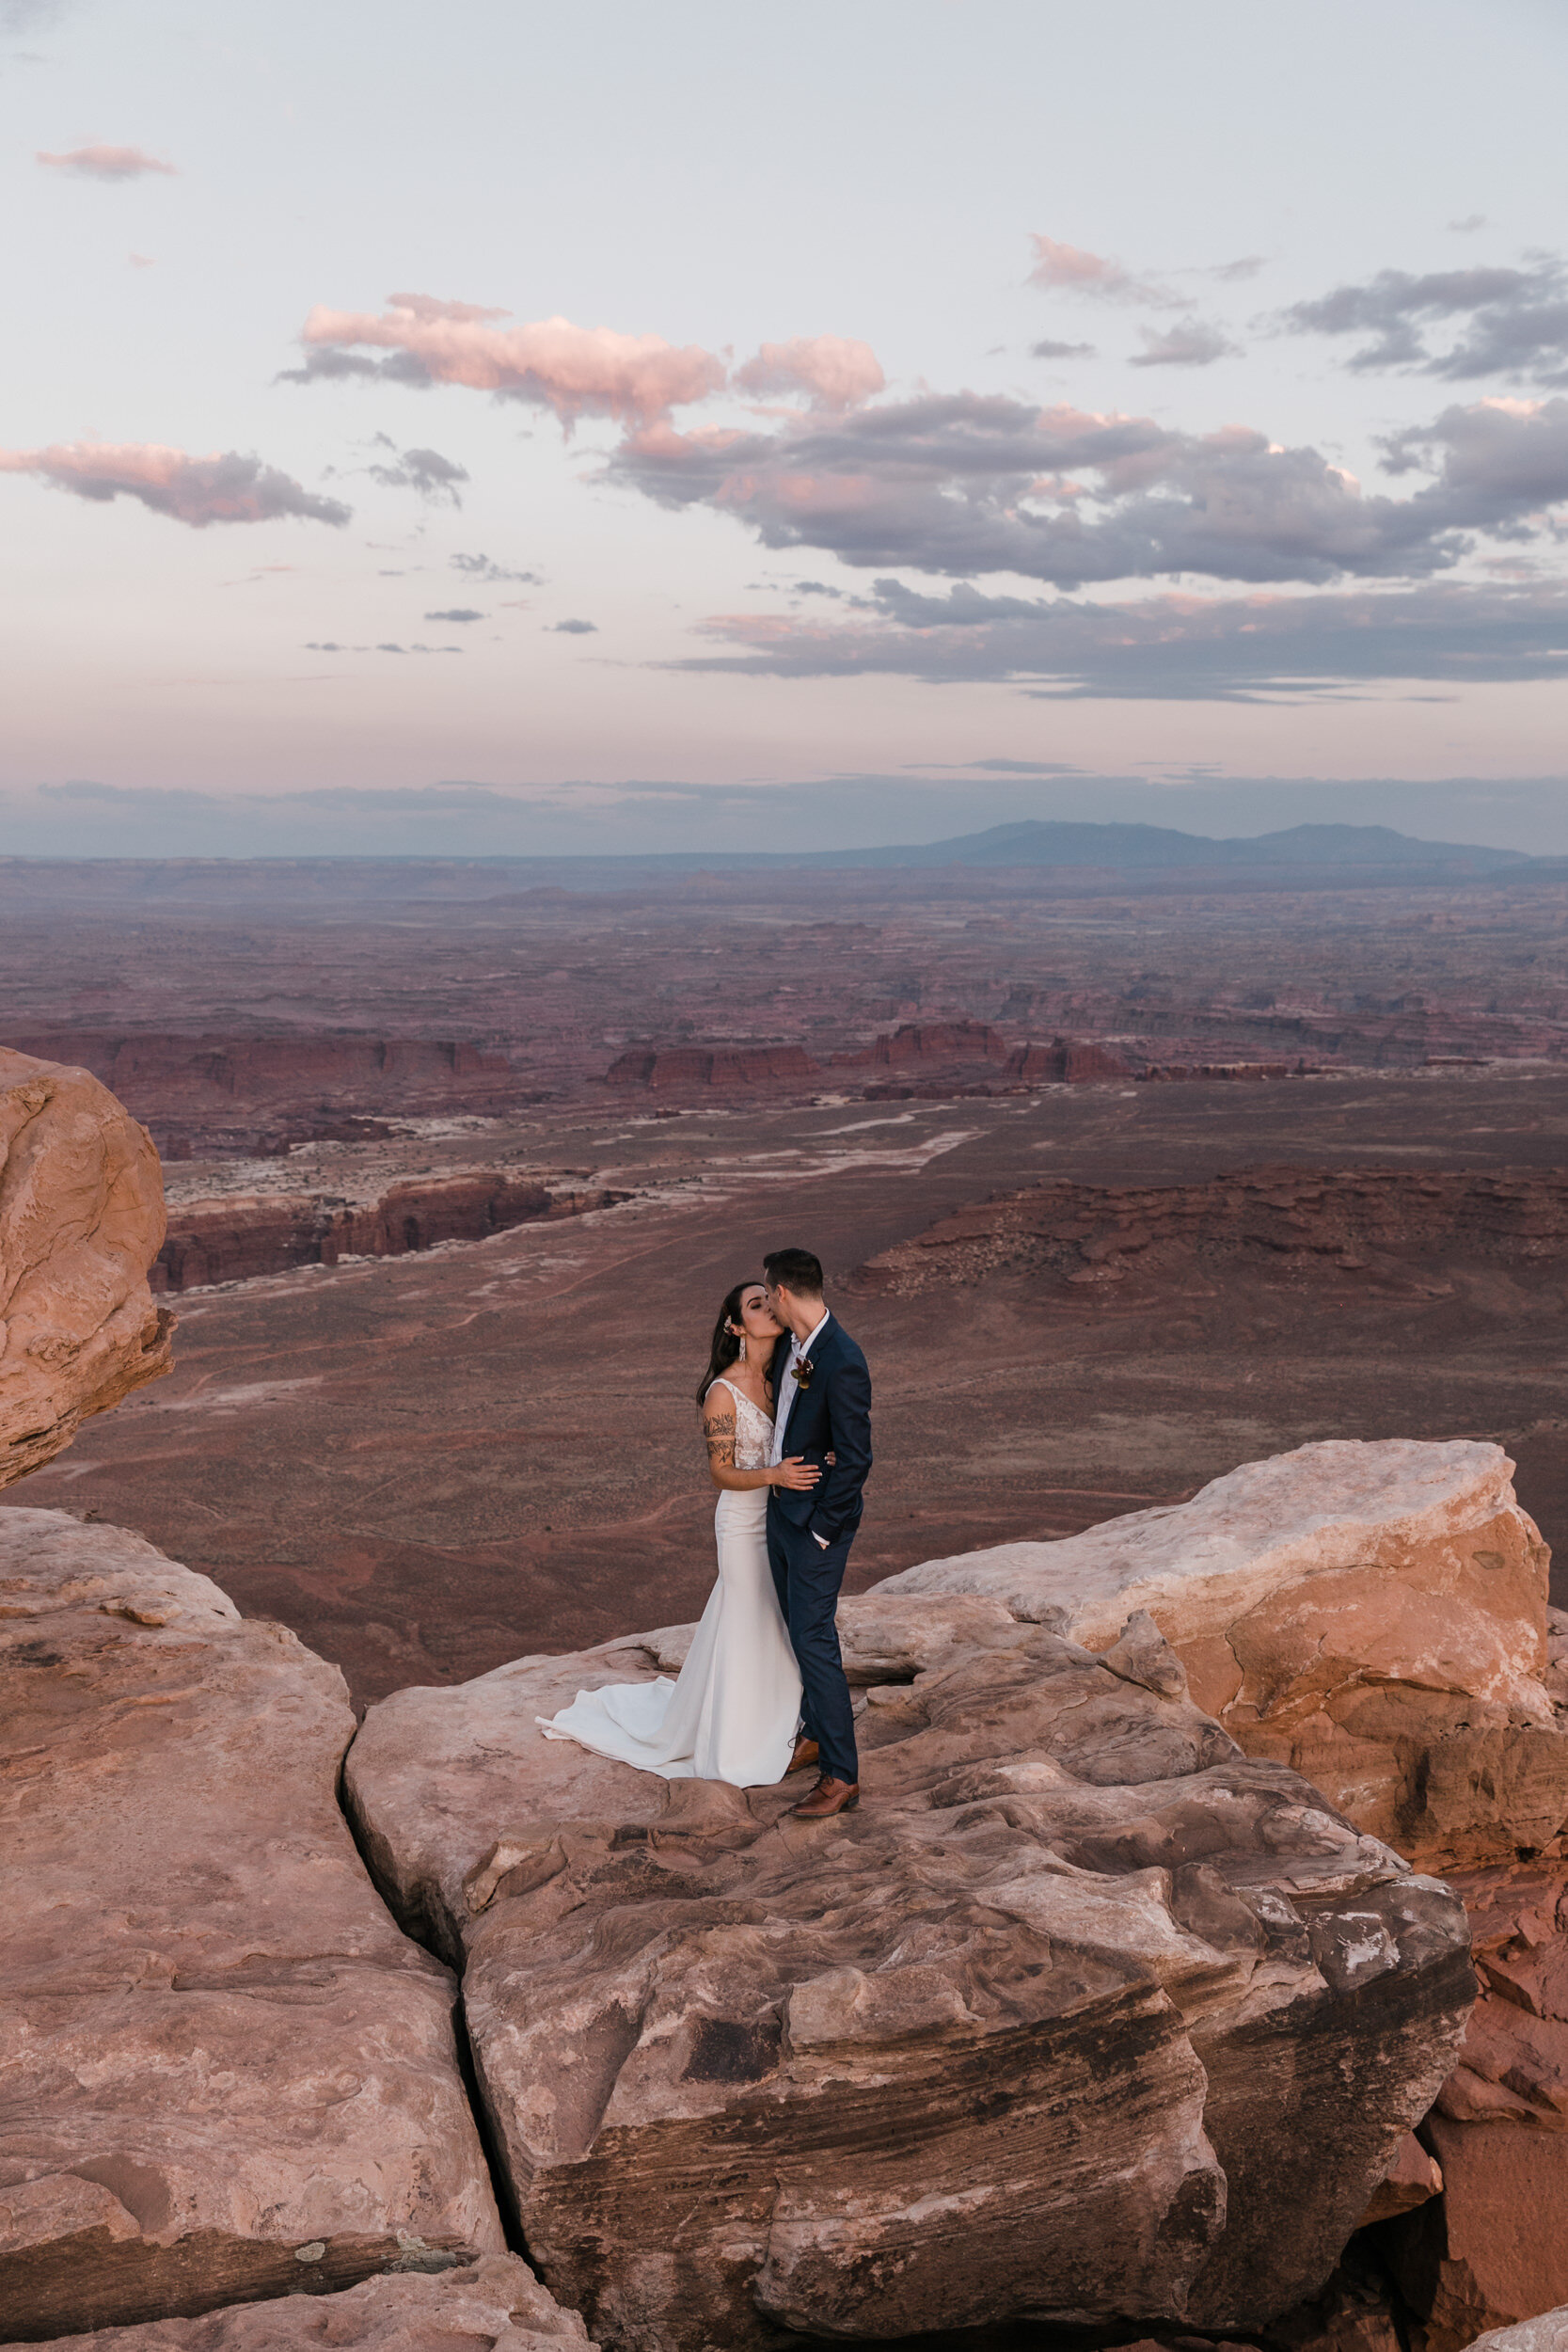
<point x="823" y="1411"/>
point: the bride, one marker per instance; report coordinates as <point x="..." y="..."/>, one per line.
<point x="735" y="1712"/>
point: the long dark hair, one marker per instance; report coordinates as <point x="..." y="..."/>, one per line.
<point x="727" y="1344"/>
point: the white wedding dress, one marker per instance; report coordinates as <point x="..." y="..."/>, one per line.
<point x="734" y="1713"/>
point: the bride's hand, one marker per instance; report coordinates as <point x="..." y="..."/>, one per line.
<point x="797" y="1473"/>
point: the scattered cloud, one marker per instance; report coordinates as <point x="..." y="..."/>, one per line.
<point x="320" y="644"/>
<point x="106" y="163"/>
<point x="1471" y="222"/>
<point x="478" y="567"/>
<point x="573" y="371"/>
<point x="458" y="612"/>
<point x="1499" y="321"/>
<point x="425" y="471"/>
<point x="1169" y="647"/>
<point x="1236" y="273"/>
<point x="1049" y="350"/>
<point x="833" y="373"/>
<point x="1192" y="344"/>
<point x="992" y="766"/>
<point x="140" y="261"/>
<point x="967" y="484"/>
<point x="257" y="573"/>
<point x="572" y="629"/>
<point x="224" y="487"/>
<point x="1069" y="269"/>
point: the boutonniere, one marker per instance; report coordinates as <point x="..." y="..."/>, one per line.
<point x="803" y="1369"/>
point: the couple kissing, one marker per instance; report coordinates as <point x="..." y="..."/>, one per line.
<point x="785" y="1407"/>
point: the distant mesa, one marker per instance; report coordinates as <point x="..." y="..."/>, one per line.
<point x="918" y="1042"/>
<point x="673" y="1068"/>
<point x="916" y="1045"/>
<point x="919" y="1057"/>
<point x="1062" y="1062"/>
<point x="257" y="1095"/>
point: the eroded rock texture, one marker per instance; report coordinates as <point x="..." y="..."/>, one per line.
<point x="1494" y="2248"/>
<point x="81" y="1220"/>
<point x="1373" y="1614"/>
<point x="219" y="2051"/>
<point x="493" y="2305"/>
<point x="1083" y="2014"/>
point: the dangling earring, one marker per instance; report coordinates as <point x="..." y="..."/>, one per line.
<point x="740" y="1354"/>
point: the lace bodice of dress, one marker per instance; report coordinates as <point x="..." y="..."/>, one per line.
<point x="753" y="1430"/>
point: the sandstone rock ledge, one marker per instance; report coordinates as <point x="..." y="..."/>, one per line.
<point x="81" y="1220"/>
<point x="224" y="2073"/>
<point x="494" y="2305"/>
<point x="1083" y="2016"/>
<point x="1373" y="1614"/>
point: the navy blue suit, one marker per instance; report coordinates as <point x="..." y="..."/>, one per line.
<point x="832" y="1415"/>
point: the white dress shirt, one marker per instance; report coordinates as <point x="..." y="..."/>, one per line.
<point x="788" y="1387"/>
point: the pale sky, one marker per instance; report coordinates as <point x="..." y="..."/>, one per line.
<point x="517" y="428"/>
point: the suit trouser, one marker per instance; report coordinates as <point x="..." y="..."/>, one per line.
<point x="806" y="1578"/>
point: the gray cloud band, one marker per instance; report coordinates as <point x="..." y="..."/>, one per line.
<point x="1177" y="649"/>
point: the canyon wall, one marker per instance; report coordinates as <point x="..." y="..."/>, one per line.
<point x="1369" y="1222"/>
<point x="235" y="1236"/>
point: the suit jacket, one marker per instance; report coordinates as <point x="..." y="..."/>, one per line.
<point x="832" y="1416"/>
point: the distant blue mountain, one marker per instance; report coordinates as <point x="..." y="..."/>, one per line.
<point x="1037" y="842"/>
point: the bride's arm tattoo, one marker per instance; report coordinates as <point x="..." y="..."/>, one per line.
<point x="719" y="1429"/>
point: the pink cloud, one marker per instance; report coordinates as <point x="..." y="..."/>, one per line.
<point x="431" y="306"/>
<point x="835" y="372"/>
<point x="106" y="163"/>
<point x="1069" y="269"/>
<point x="575" y="370"/>
<point x="224" y="487"/>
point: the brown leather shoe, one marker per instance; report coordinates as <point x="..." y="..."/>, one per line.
<point x="806" y="1754"/>
<point x="828" y="1797"/>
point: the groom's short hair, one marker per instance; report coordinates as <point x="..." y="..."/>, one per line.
<point x="796" y="1270"/>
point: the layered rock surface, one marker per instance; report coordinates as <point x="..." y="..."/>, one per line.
<point x="493" y="2305"/>
<point x="1082" y="2015"/>
<point x="227" y="2074"/>
<point x="1373" y="1614"/>
<point x="81" y="1220"/>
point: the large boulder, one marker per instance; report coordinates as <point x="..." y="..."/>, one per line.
<point x="493" y="2305"/>
<point x="1082" y="2015"/>
<point x="81" y="1221"/>
<point x="1373" y="1613"/>
<point x="225" y="2072"/>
